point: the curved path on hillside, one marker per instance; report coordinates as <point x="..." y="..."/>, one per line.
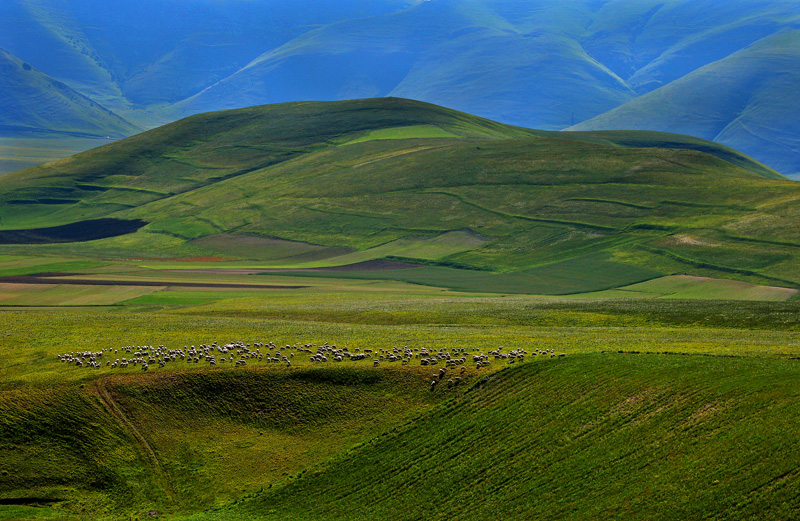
<point x="116" y="410"/>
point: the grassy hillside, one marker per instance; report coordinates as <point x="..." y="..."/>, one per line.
<point x="119" y="446"/>
<point x="305" y="185"/>
<point x="745" y="100"/>
<point x="603" y="436"/>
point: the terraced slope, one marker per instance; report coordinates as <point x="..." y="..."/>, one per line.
<point x="324" y="184"/>
<point x="605" y="436"/>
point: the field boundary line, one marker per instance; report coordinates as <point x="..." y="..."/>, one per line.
<point x="501" y="213"/>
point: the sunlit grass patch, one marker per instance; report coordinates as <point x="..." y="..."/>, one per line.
<point x="688" y="287"/>
<point x="68" y="295"/>
<point x="409" y="132"/>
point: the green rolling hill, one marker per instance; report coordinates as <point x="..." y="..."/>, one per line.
<point x="478" y="204"/>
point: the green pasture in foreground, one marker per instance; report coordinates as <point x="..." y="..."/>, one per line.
<point x="111" y="444"/>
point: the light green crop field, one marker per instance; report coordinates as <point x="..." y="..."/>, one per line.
<point x="687" y="287"/>
<point x="410" y="132"/>
<point x="591" y="437"/>
<point x="67" y="295"/>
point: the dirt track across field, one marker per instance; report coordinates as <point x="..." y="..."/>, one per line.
<point x="57" y="278"/>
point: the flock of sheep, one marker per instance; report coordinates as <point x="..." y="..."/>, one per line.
<point x="241" y="353"/>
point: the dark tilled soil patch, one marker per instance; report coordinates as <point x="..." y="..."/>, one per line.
<point x="371" y="265"/>
<point x="55" y="278"/>
<point x="90" y="230"/>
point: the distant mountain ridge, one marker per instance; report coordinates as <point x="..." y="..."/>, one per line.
<point x="540" y="63"/>
<point x="736" y="101"/>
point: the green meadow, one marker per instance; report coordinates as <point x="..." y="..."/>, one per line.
<point x="695" y="393"/>
<point x="650" y="281"/>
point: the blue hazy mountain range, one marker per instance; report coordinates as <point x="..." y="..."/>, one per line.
<point x="719" y="70"/>
<point x="53" y="106"/>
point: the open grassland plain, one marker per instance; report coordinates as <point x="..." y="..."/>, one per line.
<point x="17" y="153"/>
<point x="675" y="388"/>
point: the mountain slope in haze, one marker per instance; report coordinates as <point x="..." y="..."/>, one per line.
<point x="134" y="57"/>
<point x="42" y="119"/>
<point x="50" y="105"/>
<point x="459" y="54"/>
<point x="541" y="64"/>
<point x="747" y="100"/>
<point x="52" y="39"/>
<point x="393" y="178"/>
<point x="652" y="43"/>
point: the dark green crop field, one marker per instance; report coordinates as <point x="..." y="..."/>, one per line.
<point x="591" y="437"/>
